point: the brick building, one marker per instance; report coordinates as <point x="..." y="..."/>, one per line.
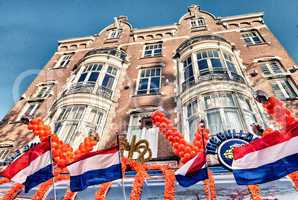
<point x="202" y="67"/>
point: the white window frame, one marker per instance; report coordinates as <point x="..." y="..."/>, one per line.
<point x="268" y="65"/>
<point x="63" y="61"/>
<point x="27" y="106"/>
<point x="46" y="92"/>
<point x="152" y="48"/>
<point x="149" y="80"/>
<point x="198" y="23"/>
<point x="283" y="90"/>
<point x="249" y="35"/>
<point x="115" y="34"/>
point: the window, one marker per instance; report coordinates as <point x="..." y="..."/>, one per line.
<point x="90" y="74"/>
<point x="229" y="62"/>
<point x="3" y="154"/>
<point x="93" y="120"/>
<point x="43" y="90"/>
<point x="222" y="112"/>
<point x="151" y="135"/>
<point x="248" y="112"/>
<point x="114" y="34"/>
<point x="63" y="61"/>
<point x="192" y="118"/>
<point x="109" y="78"/>
<point x="209" y="59"/>
<point x="188" y="71"/>
<point x="149" y="81"/>
<point x="252" y="37"/>
<point x="271" y="67"/>
<point x="198" y="23"/>
<point x="284" y="88"/>
<point x="29" y="110"/>
<point x="153" y="50"/>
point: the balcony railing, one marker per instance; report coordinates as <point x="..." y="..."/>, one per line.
<point x="89" y="88"/>
<point x="214" y="76"/>
<point x="109" y="51"/>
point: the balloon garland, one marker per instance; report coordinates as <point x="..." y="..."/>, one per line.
<point x="181" y="148"/>
<point x="169" y="192"/>
<point x="209" y="184"/>
<point x="4" y="180"/>
<point x="255" y="192"/>
<point x="13" y="192"/>
<point x="102" y="191"/>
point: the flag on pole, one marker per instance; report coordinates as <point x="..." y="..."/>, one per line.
<point x="31" y="168"/>
<point x="268" y="158"/>
<point x="193" y="171"/>
<point x="95" y="168"/>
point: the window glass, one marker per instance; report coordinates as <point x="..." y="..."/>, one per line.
<point x="214" y="122"/>
<point x="271" y="67"/>
<point x="149" y="82"/>
<point x="233" y="120"/>
<point x="153" y="50"/>
<point x="63" y="61"/>
<point x="252" y="37"/>
<point x="197" y="23"/>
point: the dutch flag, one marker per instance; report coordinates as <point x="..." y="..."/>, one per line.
<point x="193" y="171"/>
<point x="95" y="168"/>
<point x="268" y="158"/>
<point x="31" y="168"/>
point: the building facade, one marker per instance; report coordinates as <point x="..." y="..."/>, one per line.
<point x="202" y="67"/>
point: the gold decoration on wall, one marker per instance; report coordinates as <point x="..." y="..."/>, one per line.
<point x="140" y="147"/>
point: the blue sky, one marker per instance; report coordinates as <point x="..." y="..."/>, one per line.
<point x="29" y="30"/>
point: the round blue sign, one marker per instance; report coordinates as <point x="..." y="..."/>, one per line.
<point x="225" y="151"/>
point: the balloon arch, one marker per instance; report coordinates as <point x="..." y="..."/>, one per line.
<point x="64" y="154"/>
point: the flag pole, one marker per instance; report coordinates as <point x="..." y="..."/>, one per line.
<point x="202" y="125"/>
<point x="54" y="188"/>
<point x="120" y="155"/>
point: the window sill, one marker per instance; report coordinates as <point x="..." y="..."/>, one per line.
<point x="281" y="75"/>
<point x="260" y="44"/>
<point x="145" y="57"/>
<point x="196" y="29"/>
<point x="290" y="99"/>
<point x="34" y="99"/>
<point x="142" y="95"/>
<point x="111" y="40"/>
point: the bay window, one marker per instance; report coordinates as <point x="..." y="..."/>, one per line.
<point x="209" y="60"/>
<point x="222" y="111"/>
<point x="188" y="71"/>
<point x="90" y="74"/>
<point x="75" y="121"/>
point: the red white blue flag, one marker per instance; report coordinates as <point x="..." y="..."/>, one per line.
<point x="95" y="168"/>
<point x="31" y="168"/>
<point x="268" y="158"/>
<point x="193" y="171"/>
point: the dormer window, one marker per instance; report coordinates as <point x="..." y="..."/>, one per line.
<point x="115" y="34"/>
<point x="198" y="23"/>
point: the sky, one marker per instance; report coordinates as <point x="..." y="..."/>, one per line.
<point x="29" y="30"/>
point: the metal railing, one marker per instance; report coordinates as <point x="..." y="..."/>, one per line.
<point x="89" y="88"/>
<point x="220" y="75"/>
<point x="109" y="51"/>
